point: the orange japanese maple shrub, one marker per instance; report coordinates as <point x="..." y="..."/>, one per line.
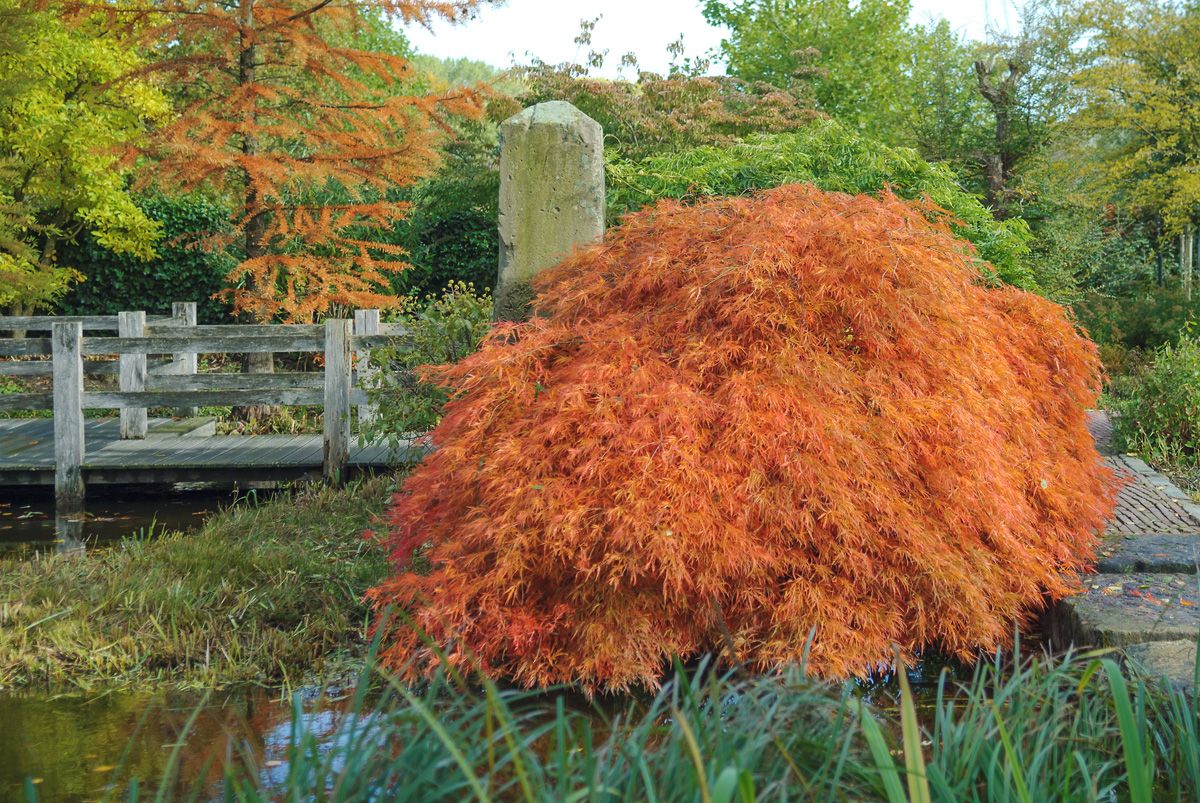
<point x="743" y="422"/>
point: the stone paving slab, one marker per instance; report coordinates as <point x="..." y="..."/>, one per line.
<point x="1174" y="661"/>
<point x="1117" y="610"/>
<point x="1099" y="423"/>
<point x="1145" y="599"/>
<point x="1173" y="553"/>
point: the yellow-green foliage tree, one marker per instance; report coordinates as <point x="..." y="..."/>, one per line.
<point x="65" y="116"/>
<point x="1142" y="108"/>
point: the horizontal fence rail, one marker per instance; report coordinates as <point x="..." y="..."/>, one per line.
<point x="90" y="323"/>
<point x="155" y="358"/>
<point x="197" y="344"/>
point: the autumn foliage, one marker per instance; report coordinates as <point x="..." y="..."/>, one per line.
<point x="306" y="134"/>
<point x="743" y="422"/>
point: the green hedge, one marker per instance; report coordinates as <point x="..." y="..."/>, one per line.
<point x="117" y="282"/>
<point x="445" y="247"/>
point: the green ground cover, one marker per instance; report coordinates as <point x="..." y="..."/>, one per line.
<point x="264" y="593"/>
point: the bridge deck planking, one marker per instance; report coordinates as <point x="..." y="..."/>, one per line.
<point x="167" y="455"/>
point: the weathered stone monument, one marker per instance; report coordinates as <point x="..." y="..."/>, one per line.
<point x="551" y="196"/>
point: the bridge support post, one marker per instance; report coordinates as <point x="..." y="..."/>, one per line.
<point x="337" y="400"/>
<point x="134" y="421"/>
<point x="366" y="322"/>
<point x="67" y="350"/>
<point x="184" y="312"/>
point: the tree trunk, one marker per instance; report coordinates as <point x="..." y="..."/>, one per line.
<point x="999" y="87"/>
<point x="1187" y="260"/>
<point x="256" y="227"/>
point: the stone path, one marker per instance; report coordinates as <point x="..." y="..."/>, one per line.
<point x="1145" y="596"/>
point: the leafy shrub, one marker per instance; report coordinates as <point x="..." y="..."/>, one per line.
<point x="1144" y="320"/>
<point x="443" y="330"/>
<point x="657" y="114"/>
<point x="1105" y="254"/>
<point x="833" y="158"/>
<point x="742" y="423"/>
<point x="182" y="271"/>
<point x="446" y="246"/>
<point x="1160" y="407"/>
<point x="451" y="233"/>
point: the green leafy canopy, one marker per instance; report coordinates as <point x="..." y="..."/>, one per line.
<point x="65" y="117"/>
<point x="833" y="158"/>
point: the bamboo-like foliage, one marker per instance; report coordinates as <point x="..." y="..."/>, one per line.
<point x="739" y="424"/>
<point x="304" y="131"/>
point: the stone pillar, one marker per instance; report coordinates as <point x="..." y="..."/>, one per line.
<point x="551" y="196"/>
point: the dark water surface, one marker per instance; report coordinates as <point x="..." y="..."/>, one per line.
<point x="28" y="525"/>
<point x="74" y="747"/>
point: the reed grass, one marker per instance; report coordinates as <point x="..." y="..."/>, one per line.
<point x="266" y="593"/>
<point x="1073" y="728"/>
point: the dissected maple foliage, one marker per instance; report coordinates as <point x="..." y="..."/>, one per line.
<point x="743" y="422"/>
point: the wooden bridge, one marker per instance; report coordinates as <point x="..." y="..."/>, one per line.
<point x="155" y="361"/>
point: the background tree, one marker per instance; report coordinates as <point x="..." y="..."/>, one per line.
<point x="861" y="51"/>
<point x="1026" y="80"/>
<point x="653" y="113"/>
<point x="304" y="132"/>
<point x="949" y="115"/>
<point x="64" y="116"/>
<point x="1142" y="111"/>
<point x="657" y="114"/>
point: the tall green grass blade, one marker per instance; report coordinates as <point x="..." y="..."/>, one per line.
<point x="914" y="755"/>
<point x="1014" y="760"/>
<point x="168" y="773"/>
<point x="726" y="785"/>
<point x="883" y="757"/>
<point x="447" y="741"/>
<point x="694" y="754"/>
<point x="1136" y="767"/>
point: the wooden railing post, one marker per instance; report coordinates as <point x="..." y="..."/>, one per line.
<point x="337" y="399"/>
<point x="67" y="350"/>
<point x="185" y="364"/>
<point x="133" y="375"/>
<point x="366" y="322"/>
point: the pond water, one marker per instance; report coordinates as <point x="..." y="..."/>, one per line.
<point x="78" y="748"/>
<point x="28" y="525"/>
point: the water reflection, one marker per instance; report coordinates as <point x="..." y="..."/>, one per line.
<point x="77" y="748"/>
<point x="68" y="534"/>
<point x="29" y="524"/>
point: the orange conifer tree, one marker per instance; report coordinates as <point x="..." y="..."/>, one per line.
<point x="743" y="422"/>
<point x="304" y="132"/>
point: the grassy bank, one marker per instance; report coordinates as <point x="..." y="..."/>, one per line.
<point x="264" y="593"/>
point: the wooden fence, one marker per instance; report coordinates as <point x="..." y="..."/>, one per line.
<point x="156" y="363"/>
